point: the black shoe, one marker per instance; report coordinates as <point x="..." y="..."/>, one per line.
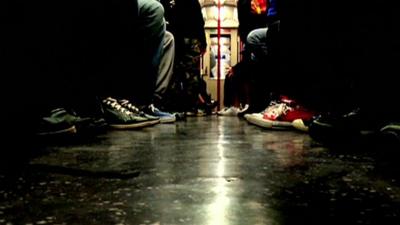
<point x="66" y="127"/>
<point x="119" y="117"/>
<point x="135" y="110"/>
<point x="391" y="136"/>
<point x="351" y="128"/>
<point x="92" y="126"/>
<point x="83" y="125"/>
<point x="59" y="122"/>
<point x="180" y="116"/>
<point x="196" y="113"/>
<point x="210" y="106"/>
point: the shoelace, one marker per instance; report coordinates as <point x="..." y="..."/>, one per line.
<point x="118" y="107"/>
<point x="275" y="110"/>
<point x="128" y="105"/>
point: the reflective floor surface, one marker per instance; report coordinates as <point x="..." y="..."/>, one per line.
<point x="207" y="170"/>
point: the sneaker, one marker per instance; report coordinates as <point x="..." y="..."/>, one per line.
<point x="343" y="128"/>
<point x="244" y="109"/>
<point x="135" y="110"/>
<point x="209" y="107"/>
<point x="164" y="116"/>
<point x="63" y="118"/>
<point x="196" y="113"/>
<point x="57" y="123"/>
<point x="229" y="111"/>
<point x="258" y="120"/>
<point x="92" y="126"/>
<point x="275" y="110"/>
<point x="84" y="125"/>
<point x="391" y="128"/>
<point x="286" y="111"/>
<point x="391" y="136"/>
<point x="222" y="110"/>
<point x="269" y="118"/>
<point x="298" y="112"/>
<point x="181" y="116"/>
<point x="119" y="117"/>
<point x="301" y="125"/>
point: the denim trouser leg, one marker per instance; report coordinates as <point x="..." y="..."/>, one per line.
<point x="166" y="67"/>
<point x="152" y="30"/>
<point x="256" y="44"/>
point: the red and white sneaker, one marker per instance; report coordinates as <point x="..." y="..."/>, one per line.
<point x="280" y="114"/>
<point x="274" y="113"/>
<point x="269" y="117"/>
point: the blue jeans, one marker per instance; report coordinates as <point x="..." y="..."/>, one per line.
<point x="152" y="29"/>
<point x="256" y="44"/>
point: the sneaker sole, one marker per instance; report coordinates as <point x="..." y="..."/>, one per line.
<point x="167" y="120"/>
<point x="390" y="127"/>
<point x="196" y="115"/>
<point x="134" y="126"/>
<point x="69" y="130"/>
<point x="154" y="122"/>
<point x="227" y="114"/>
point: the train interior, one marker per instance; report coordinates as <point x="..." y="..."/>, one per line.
<point x="339" y="164"/>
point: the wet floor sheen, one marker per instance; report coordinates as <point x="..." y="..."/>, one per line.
<point x="206" y="170"/>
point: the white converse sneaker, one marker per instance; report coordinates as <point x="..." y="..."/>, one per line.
<point x="231" y="111"/>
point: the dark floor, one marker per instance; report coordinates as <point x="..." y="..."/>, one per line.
<point x="206" y="170"/>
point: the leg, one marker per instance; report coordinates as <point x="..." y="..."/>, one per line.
<point x="257" y="62"/>
<point x="256" y="44"/>
<point x="152" y="29"/>
<point x="166" y="67"/>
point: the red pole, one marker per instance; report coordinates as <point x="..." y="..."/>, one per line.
<point x="219" y="55"/>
